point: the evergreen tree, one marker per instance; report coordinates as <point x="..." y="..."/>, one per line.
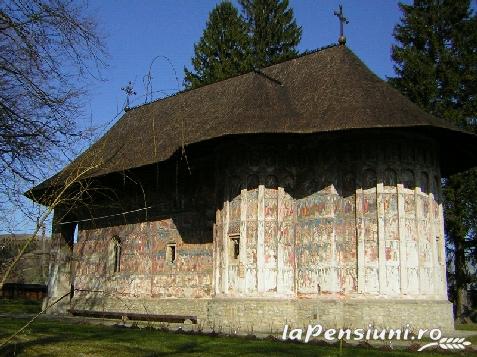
<point x="222" y="51"/>
<point x="231" y="45"/>
<point x="436" y="67"/>
<point x="273" y="31"/>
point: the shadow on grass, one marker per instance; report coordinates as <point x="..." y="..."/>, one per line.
<point x="50" y="338"/>
<point x="19" y="306"/>
<point x="45" y="344"/>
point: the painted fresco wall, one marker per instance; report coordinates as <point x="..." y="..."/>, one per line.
<point x="145" y="269"/>
<point x="180" y="214"/>
<point x="265" y="264"/>
<point x="364" y="219"/>
<point x="314" y="219"/>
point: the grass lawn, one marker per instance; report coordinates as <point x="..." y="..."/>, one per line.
<point x="54" y="338"/>
<point x="468" y="327"/>
<point x="73" y="338"/>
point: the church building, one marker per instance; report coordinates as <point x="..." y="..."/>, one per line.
<point x="305" y="192"/>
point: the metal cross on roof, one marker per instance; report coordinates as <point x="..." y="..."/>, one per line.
<point x="129" y="90"/>
<point x="343" y="20"/>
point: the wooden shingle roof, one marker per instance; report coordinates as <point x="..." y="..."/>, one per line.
<point x="323" y="91"/>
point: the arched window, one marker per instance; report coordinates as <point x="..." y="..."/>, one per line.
<point x="116" y="254"/>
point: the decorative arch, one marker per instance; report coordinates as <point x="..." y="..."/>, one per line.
<point x="252" y="181"/>
<point x="271" y="182"/>
<point x="408" y="179"/>
<point x="424" y="182"/>
<point x="287" y="182"/>
<point x="390" y="177"/>
<point x="349" y="184"/>
<point x="369" y="178"/>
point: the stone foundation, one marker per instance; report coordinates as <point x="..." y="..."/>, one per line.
<point x="244" y="316"/>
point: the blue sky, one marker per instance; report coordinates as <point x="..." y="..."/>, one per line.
<point x="138" y="31"/>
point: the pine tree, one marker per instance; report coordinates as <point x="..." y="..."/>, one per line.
<point x="273" y="31"/>
<point x="436" y="67"/>
<point x="231" y="45"/>
<point x="222" y="51"/>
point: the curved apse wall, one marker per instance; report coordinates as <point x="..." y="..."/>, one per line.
<point x="357" y="218"/>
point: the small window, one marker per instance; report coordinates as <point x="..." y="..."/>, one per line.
<point x="171" y="253"/>
<point x="116" y="254"/>
<point x="234" y="246"/>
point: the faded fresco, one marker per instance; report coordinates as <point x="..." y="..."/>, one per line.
<point x="358" y="221"/>
<point x="361" y="222"/>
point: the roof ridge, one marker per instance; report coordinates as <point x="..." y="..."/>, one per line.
<point x="302" y="54"/>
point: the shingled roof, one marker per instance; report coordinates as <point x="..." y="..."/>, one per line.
<point x="323" y="91"/>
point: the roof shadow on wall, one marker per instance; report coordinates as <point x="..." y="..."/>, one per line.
<point x="189" y="200"/>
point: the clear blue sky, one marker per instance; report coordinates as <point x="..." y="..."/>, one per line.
<point x="138" y="31"/>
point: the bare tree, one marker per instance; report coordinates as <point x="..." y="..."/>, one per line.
<point x="49" y="50"/>
<point x="67" y="189"/>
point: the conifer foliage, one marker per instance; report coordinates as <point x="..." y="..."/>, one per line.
<point x="222" y="51"/>
<point x="436" y="67"/>
<point x="273" y="31"/>
<point x="232" y="44"/>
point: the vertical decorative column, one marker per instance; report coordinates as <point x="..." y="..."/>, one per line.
<point x="215" y="260"/>
<point x="402" y="239"/>
<point x="295" y="260"/>
<point x="225" y="247"/>
<point x="442" y="248"/>
<point x="280" y="248"/>
<point x="434" y="244"/>
<point x="381" y="238"/>
<point x="260" y="238"/>
<point x="335" y="285"/>
<point x="243" y="242"/>
<point x="360" y="240"/>
<point x="417" y="217"/>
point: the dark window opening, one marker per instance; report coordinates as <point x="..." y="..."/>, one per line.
<point x="116" y="255"/>
<point x="171" y="253"/>
<point x="235" y="246"/>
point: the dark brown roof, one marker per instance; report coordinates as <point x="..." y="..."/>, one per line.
<point x="327" y="90"/>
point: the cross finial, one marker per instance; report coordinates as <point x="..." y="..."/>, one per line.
<point x="343" y="20"/>
<point x="129" y="90"/>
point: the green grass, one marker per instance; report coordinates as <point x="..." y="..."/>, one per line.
<point x="54" y="338"/>
<point x="468" y="327"/>
<point x="19" y="306"/>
